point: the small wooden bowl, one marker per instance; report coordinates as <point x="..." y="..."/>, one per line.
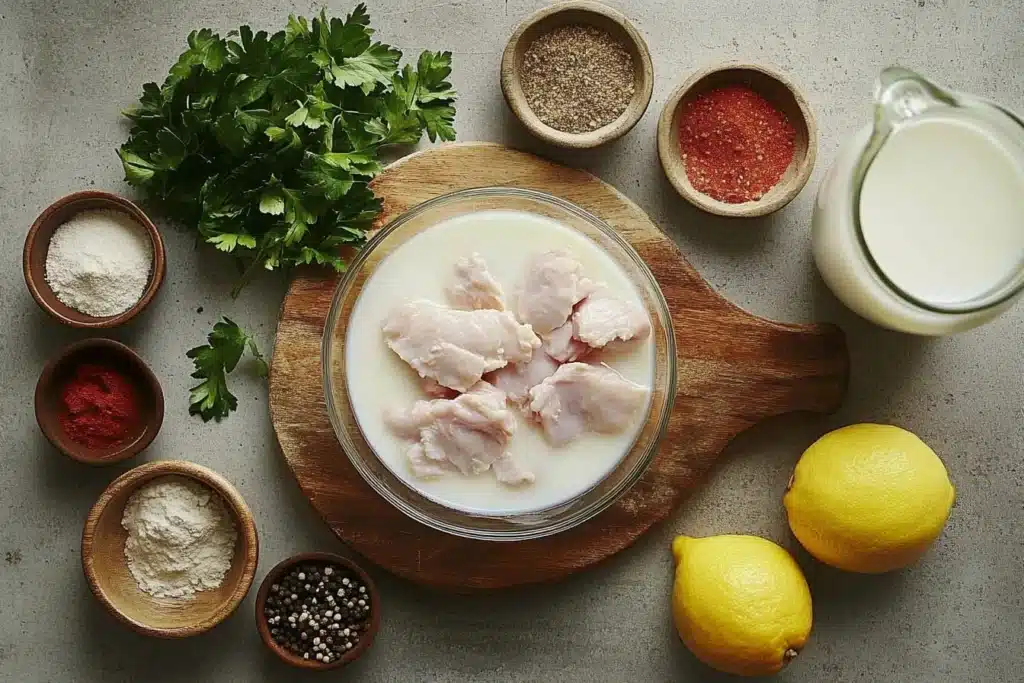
<point x="586" y="13"/>
<point x="38" y="242"/>
<point x="280" y="570"/>
<point x="106" y="568"/>
<point x="782" y="94"/>
<point x="108" y="353"/>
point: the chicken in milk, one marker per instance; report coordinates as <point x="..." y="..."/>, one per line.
<point x="461" y="354"/>
<point x="457" y="348"/>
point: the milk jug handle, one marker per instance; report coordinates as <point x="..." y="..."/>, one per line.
<point x="901" y="94"/>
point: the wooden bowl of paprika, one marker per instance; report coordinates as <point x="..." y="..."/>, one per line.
<point x="98" y="402"/>
<point x="737" y="140"/>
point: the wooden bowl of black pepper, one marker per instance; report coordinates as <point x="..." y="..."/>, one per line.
<point x="318" y="611"/>
<point x="763" y="87"/>
<point x="577" y="74"/>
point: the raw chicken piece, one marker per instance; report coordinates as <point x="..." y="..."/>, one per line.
<point x="562" y="346"/>
<point x="581" y="397"/>
<point x="454" y="347"/>
<point x="603" y="317"/>
<point x="517" y="379"/>
<point x="423" y="467"/>
<point x="408" y="422"/>
<point x="434" y="390"/>
<point x="508" y="471"/>
<point x="475" y="287"/>
<point x="554" y="284"/>
<point x="468" y="434"/>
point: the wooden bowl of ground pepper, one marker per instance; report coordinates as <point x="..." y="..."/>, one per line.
<point x="737" y="140"/>
<point x="317" y="611"/>
<point x="98" y="402"/>
<point x="577" y="74"/>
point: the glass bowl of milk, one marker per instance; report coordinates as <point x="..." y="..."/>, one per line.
<point x="919" y="223"/>
<point x="364" y="379"/>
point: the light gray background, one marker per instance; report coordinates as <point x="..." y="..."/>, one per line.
<point x="66" y="69"/>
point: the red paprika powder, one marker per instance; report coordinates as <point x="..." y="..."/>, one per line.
<point x="100" y="407"/>
<point x="735" y="144"/>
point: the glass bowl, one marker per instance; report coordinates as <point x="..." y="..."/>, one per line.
<point x="483" y="525"/>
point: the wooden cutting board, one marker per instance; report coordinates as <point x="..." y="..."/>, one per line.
<point x="735" y="369"/>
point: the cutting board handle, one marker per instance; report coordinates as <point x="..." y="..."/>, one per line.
<point x="737" y="370"/>
<point x="789" y="368"/>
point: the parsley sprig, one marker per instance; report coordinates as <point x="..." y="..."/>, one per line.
<point x="265" y="144"/>
<point x="211" y="399"/>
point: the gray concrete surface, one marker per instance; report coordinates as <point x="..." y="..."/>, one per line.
<point x="66" y="69"/>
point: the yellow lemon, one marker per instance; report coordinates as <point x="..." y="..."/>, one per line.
<point x="740" y="603"/>
<point x="868" y="498"/>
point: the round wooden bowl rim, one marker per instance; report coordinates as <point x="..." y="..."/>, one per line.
<point x="364" y="642"/>
<point x="513" y="92"/>
<point x="36" y="281"/>
<point x="75" y="451"/>
<point x="130" y="481"/>
<point x="667" y="151"/>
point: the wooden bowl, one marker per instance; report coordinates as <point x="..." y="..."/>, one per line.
<point x="109" y="353"/>
<point x="38" y="242"/>
<point x="291" y="658"/>
<point x="111" y="582"/>
<point x="782" y="94"/>
<point x="586" y="13"/>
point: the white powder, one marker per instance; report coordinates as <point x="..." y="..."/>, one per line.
<point x="98" y="262"/>
<point x="181" y="537"/>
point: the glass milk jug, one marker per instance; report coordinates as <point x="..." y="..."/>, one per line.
<point x="919" y="224"/>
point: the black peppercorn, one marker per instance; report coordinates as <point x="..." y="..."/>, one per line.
<point x="318" y="601"/>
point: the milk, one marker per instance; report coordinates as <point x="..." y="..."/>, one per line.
<point x="942" y="211"/>
<point x="941" y="216"/>
<point x="378" y="379"/>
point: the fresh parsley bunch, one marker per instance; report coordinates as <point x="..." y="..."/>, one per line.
<point x="266" y="144"/>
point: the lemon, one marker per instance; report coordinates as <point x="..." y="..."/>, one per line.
<point x="740" y="603"/>
<point x="868" y="498"/>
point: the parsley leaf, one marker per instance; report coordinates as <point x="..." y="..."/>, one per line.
<point x="375" y="65"/>
<point x="264" y="144"/>
<point x="211" y="399"/>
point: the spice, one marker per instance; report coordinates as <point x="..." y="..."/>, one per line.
<point x="318" y="611"/>
<point x="577" y="78"/>
<point x="181" y="537"/>
<point x="735" y="144"/>
<point x="98" y="262"/>
<point x="100" y="407"/>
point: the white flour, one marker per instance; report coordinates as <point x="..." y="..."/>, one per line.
<point x="181" y="537"/>
<point x="98" y="262"/>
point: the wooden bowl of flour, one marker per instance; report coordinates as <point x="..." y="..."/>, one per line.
<point x="107" y="571"/>
<point x="37" y="245"/>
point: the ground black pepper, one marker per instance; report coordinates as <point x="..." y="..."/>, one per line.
<point x="577" y="78"/>
<point x="318" y="611"/>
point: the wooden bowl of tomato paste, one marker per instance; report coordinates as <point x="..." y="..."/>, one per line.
<point x="98" y="402"/>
